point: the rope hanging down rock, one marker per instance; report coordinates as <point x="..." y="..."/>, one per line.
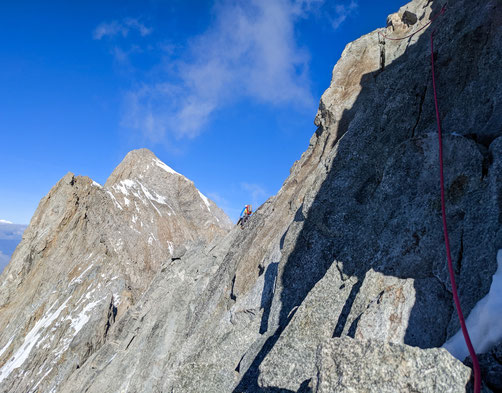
<point x="477" y="372"/>
<point x="475" y="363"/>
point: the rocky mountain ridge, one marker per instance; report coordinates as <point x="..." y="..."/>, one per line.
<point x="89" y="253"/>
<point x="337" y="279"/>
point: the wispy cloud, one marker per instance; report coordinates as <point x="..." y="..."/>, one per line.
<point x="342" y="12"/>
<point x="304" y="7"/>
<point x="114" y="28"/>
<point x="249" y="52"/>
<point x="217" y="198"/>
<point x="256" y="192"/>
<point x="231" y="210"/>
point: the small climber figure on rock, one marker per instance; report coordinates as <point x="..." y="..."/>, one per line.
<point x="245" y="214"/>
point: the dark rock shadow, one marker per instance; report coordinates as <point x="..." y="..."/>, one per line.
<point x="379" y="206"/>
<point x="267" y="294"/>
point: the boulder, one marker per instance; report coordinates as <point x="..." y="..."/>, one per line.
<point x="345" y="365"/>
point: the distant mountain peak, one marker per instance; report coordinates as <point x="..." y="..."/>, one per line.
<point x="138" y="164"/>
<point x="142" y="179"/>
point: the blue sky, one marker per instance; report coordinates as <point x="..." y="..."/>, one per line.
<point x="225" y="92"/>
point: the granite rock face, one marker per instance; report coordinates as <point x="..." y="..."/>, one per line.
<point x="88" y="255"/>
<point x="349" y="252"/>
<point x="345" y="365"/>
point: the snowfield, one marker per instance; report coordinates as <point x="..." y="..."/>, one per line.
<point x="483" y="322"/>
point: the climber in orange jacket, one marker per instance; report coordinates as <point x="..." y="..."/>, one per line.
<point x="245" y="214"/>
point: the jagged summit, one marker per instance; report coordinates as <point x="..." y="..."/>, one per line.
<point x="138" y="164"/>
<point x="141" y="182"/>
<point x="143" y="176"/>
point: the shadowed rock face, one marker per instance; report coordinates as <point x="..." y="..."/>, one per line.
<point x="352" y="244"/>
<point x="87" y="256"/>
<point x="491" y="367"/>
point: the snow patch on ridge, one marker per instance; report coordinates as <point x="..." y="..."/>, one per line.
<point x="163" y="166"/>
<point x="157" y="198"/>
<point x="124" y="185"/>
<point x="484" y="321"/>
<point x="78" y="322"/>
<point x="34" y="389"/>
<point x="30" y="341"/>
<point x="205" y="199"/>
<point x="116" y="300"/>
<point x="79" y="278"/>
<point x="83" y="317"/>
<point x="135" y="188"/>
<point x="114" y="200"/>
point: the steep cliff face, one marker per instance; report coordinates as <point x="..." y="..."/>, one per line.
<point x="88" y="254"/>
<point x="347" y="260"/>
<point x="352" y="244"/>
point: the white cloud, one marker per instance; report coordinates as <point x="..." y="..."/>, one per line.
<point x="342" y="12"/>
<point x="140" y="27"/>
<point x="249" y="52"/>
<point x="10" y="231"/>
<point x="304" y="7"/>
<point x="114" y="28"/>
